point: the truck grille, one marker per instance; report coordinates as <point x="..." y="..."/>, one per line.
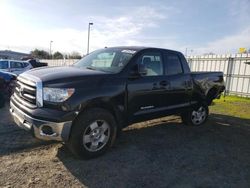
<point x="25" y="92"/>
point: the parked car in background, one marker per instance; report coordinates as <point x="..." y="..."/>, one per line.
<point x="7" y="83"/>
<point x="15" y="66"/>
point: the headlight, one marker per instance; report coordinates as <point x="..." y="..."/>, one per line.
<point x="57" y="94"/>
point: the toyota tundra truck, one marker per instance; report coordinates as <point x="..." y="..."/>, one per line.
<point x="86" y="105"/>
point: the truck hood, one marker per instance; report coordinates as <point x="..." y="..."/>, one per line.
<point x="56" y="73"/>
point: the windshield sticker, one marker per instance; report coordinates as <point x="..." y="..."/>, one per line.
<point x="129" y="51"/>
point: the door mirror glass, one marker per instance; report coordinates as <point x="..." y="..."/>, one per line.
<point x="138" y="70"/>
<point x="142" y="69"/>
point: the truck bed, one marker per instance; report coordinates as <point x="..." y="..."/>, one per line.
<point x="211" y="83"/>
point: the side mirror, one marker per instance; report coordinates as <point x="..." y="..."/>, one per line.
<point x="138" y="70"/>
<point x="142" y="70"/>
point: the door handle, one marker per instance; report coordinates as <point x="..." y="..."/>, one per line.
<point x="187" y="84"/>
<point x="164" y="83"/>
<point x="155" y="86"/>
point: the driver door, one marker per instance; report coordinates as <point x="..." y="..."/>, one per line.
<point x="146" y="93"/>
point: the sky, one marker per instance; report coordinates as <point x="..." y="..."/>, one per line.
<point x="192" y="26"/>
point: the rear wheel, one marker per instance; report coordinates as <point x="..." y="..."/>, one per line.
<point x="92" y="134"/>
<point x="196" y="116"/>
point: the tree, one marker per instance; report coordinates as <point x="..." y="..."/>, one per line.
<point x="58" y="55"/>
<point x="75" y="55"/>
<point x="40" y="54"/>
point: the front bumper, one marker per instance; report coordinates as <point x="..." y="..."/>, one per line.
<point x="59" y="130"/>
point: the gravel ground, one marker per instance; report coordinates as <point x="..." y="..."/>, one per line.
<point x="159" y="153"/>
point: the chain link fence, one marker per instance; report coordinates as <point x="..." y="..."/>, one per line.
<point x="59" y="62"/>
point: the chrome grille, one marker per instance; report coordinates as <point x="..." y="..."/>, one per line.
<point x="25" y="92"/>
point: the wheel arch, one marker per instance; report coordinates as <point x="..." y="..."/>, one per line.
<point x="206" y="96"/>
<point x="211" y="94"/>
<point x="106" y="104"/>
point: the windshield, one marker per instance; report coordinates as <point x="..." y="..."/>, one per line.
<point x="107" y="60"/>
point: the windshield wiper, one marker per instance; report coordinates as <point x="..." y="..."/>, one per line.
<point x="98" y="69"/>
<point x="91" y="68"/>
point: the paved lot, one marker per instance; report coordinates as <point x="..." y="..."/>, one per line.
<point x="159" y="153"/>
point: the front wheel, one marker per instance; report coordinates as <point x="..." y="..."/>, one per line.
<point x="93" y="132"/>
<point x="2" y="100"/>
<point x="196" y="116"/>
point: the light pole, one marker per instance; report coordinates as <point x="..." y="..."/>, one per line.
<point x="50" y="44"/>
<point x="89" y="36"/>
<point x="186" y="51"/>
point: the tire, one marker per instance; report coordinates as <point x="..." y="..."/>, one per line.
<point x="196" y="116"/>
<point x="2" y="100"/>
<point x="92" y="134"/>
<point x="12" y="85"/>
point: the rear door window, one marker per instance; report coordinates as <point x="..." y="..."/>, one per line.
<point x="16" y="65"/>
<point x="173" y="63"/>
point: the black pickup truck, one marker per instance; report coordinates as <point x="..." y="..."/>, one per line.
<point x="86" y="105"/>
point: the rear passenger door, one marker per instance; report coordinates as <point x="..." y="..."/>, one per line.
<point x="178" y="94"/>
